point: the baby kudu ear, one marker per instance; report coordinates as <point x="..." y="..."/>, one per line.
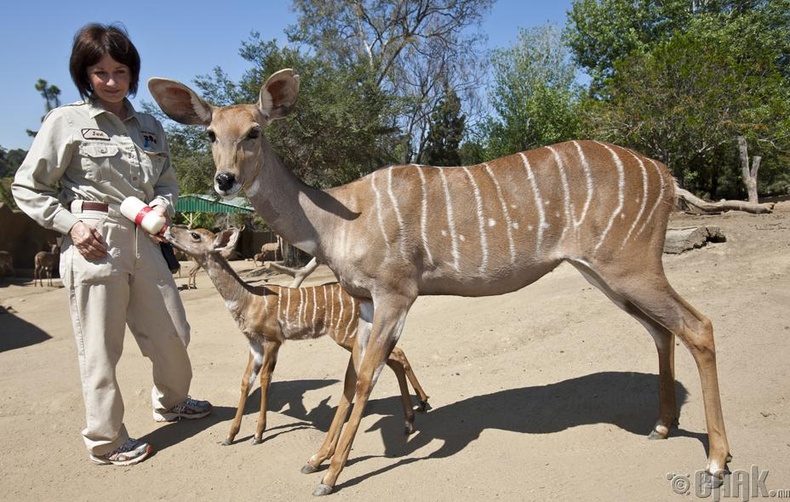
<point x="226" y="238"/>
<point x="278" y="95"/>
<point x="179" y="102"/>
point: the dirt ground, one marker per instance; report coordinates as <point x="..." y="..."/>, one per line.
<point x="547" y="393"/>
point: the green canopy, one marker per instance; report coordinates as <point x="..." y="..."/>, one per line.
<point x="196" y="203"/>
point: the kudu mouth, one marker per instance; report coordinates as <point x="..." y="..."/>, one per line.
<point x="226" y="184"/>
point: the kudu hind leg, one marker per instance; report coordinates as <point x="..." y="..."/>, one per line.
<point x="400" y="356"/>
<point x="668" y="412"/>
<point x="663" y="308"/>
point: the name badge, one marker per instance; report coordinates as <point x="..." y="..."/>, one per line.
<point x="95" y="134"/>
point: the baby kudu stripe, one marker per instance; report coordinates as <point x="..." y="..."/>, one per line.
<point x="269" y="315"/>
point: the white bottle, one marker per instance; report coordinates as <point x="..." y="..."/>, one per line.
<point x="143" y="215"/>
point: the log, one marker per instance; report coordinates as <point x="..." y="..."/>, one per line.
<point x="722" y="206"/>
<point x="684" y="239"/>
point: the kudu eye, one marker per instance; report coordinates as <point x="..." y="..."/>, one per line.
<point x="254" y="133"/>
<point x="195" y="235"/>
<point x="211" y="136"/>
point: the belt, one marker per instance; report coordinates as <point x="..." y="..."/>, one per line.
<point x="88" y="205"/>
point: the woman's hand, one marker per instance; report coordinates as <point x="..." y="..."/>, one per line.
<point x="160" y="236"/>
<point x="88" y="241"/>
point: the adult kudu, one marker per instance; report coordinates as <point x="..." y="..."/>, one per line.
<point x="488" y="229"/>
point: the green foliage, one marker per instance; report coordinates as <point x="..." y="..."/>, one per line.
<point x="408" y="51"/>
<point x="446" y="131"/>
<point x="10" y="160"/>
<point x="602" y="32"/>
<point x="534" y="94"/>
<point x="51" y="95"/>
<point x="682" y="84"/>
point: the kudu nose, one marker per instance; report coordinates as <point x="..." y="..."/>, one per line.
<point x="225" y="181"/>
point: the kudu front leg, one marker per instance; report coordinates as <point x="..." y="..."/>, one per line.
<point x="250" y="373"/>
<point x="270" y="350"/>
<point x="327" y="449"/>
<point x="387" y="325"/>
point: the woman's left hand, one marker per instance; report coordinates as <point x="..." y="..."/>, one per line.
<point x="159" y="236"/>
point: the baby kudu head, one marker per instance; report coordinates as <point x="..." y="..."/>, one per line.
<point x="199" y="242"/>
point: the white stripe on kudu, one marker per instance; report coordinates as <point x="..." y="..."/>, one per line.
<point x="538" y="203"/>
<point x="379" y="208"/>
<point x="566" y="195"/>
<point x="394" y="201"/>
<point x="424" y="216"/>
<point x="509" y="224"/>
<point x="481" y="221"/>
<point x="590" y="186"/>
<point x="642" y="203"/>
<point x="620" y="195"/>
<point x="448" y="200"/>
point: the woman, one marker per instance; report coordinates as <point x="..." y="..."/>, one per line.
<point x="85" y="160"/>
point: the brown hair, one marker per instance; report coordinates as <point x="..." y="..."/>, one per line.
<point x="93" y="42"/>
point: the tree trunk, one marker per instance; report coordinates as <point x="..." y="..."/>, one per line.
<point x="722" y="206"/>
<point x="749" y="174"/>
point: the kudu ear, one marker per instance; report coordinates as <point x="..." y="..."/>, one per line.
<point x="226" y="239"/>
<point x="179" y="102"/>
<point x="278" y="95"/>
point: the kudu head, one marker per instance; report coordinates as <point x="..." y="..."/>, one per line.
<point x="235" y="131"/>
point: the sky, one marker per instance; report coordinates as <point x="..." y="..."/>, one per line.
<point x="176" y="39"/>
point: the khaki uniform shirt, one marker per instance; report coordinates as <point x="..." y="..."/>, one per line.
<point x="84" y="152"/>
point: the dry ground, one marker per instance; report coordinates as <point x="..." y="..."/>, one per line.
<point x="542" y="394"/>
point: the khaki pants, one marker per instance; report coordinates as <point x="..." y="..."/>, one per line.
<point x="132" y="287"/>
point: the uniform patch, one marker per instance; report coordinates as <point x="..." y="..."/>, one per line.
<point x="94" y="134"/>
<point x="149" y="139"/>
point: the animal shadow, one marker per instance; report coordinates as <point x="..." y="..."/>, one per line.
<point x="624" y="399"/>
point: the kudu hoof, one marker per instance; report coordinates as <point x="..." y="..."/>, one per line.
<point x="322" y="490"/>
<point x="308" y="469"/>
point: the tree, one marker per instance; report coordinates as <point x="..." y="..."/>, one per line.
<point x="409" y="50"/>
<point x="534" y="94"/>
<point x="688" y="100"/>
<point x="51" y="95"/>
<point x="682" y="81"/>
<point x="445" y="133"/>
<point x="602" y="32"/>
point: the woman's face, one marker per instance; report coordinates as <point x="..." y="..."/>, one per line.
<point x="110" y="81"/>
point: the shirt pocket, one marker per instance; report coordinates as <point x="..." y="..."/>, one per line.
<point x="155" y="165"/>
<point x="99" y="159"/>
